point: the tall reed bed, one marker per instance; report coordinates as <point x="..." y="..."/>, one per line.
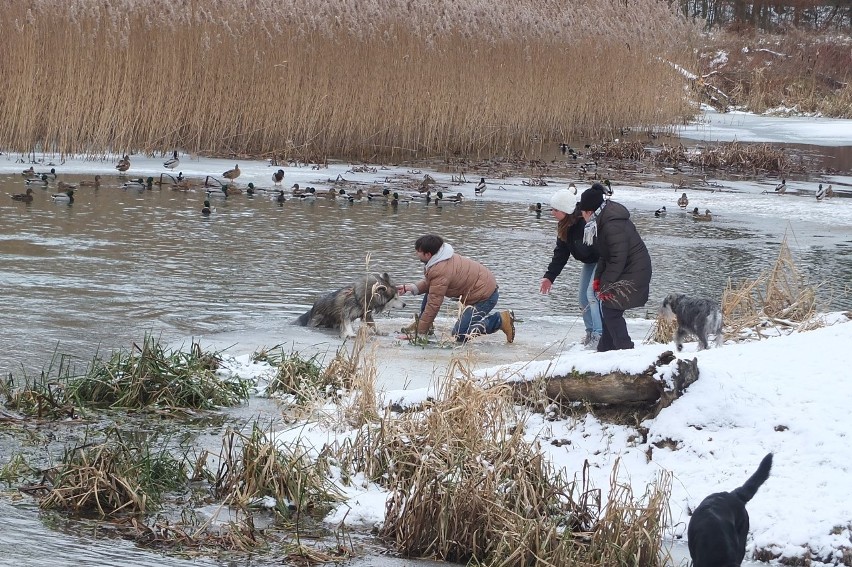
<point x="331" y="78"/>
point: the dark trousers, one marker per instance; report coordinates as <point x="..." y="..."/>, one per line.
<point x="615" y="336"/>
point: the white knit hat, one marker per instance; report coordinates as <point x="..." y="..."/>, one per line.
<point x="563" y="200"/>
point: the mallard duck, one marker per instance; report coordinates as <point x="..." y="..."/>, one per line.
<point x="62" y="186"/>
<point x="206" y="210"/>
<point x="96" y="183"/>
<point x="480" y="187"/>
<point x="781" y="188"/>
<point x="308" y="193"/>
<point x="572" y="188"/>
<point x="424" y="197"/>
<point x="608" y="192"/>
<point x="701" y="217"/>
<point x="829" y="192"/>
<point x="383" y="194"/>
<point x="451" y="199"/>
<point x="820" y="193"/>
<point x="123" y="164"/>
<point x="661" y="212"/>
<point x="280" y="198"/>
<point x="66" y="197"/>
<point x="28" y="172"/>
<point x="232" y="189"/>
<point x="173" y="162"/>
<point x="37" y="180"/>
<point x="358" y="197"/>
<point x="51" y="173"/>
<point x="683" y="202"/>
<point x="25" y="197"/>
<point x="138" y="183"/>
<point x="278" y="177"/>
<point x="397" y="199"/>
<point x="232" y="174"/>
<point x="535" y="208"/>
<point x="332" y="193"/>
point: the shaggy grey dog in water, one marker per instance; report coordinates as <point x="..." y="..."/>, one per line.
<point x="698" y="316"/>
<point x="338" y="309"/>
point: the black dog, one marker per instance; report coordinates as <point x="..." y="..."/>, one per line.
<point x="719" y="526"/>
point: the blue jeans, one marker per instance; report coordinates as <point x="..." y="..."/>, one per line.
<point x="475" y="319"/>
<point x="589" y="301"/>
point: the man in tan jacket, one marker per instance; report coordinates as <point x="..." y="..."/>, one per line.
<point x="448" y="274"/>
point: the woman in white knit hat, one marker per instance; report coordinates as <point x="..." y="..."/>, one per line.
<point x="569" y="242"/>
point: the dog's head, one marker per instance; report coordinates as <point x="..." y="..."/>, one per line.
<point x="384" y="294"/>
<point x="667" y="309"/>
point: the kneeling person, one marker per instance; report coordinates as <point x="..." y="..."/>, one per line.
<point x="448" y="274"/>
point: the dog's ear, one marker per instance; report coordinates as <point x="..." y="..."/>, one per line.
<point x="386" y="278"/>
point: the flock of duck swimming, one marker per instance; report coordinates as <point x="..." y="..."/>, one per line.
<point x="216" y="188"/>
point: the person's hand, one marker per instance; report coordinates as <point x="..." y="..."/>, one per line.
<point x="596" y="285"/>
<point x="546" y="284"/>
<point x="405" y="289"/>
<point x="605" y="296"/>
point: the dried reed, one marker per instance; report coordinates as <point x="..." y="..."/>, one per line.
<point x="113" y="477"/>
<point x="287" y="80"/>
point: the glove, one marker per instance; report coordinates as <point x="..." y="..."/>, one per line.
<point x="596" y="285"/>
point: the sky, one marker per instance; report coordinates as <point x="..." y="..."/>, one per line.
<point x="787" y="393"/>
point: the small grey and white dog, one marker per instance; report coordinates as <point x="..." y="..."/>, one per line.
<point x="368" y="296"/>
<point x="698" y="316"/>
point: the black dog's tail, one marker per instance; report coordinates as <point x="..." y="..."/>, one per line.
<point x="747" y="491"/>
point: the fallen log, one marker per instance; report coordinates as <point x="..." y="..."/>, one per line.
<point x="615" y="387"/>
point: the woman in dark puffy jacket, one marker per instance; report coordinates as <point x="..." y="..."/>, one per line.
<point x="623" y="274"/>
<point x="569" y="242"/>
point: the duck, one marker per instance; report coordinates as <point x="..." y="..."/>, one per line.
<point x="51" y="173"/>
<point x="425" y="197"/>
<point x="383" y="194"/>
<point x="280" y="198"/>
<point x="206" y="210"/>
<point x="535" y="208"/>
<point x="781" y="188"/>
<point x="62" y="186"/>
<point x="683" y="202"/>
<point x="65" y="197"/>
<point x="232" y="174"/>
<point x="573" y="188"/>
<point x="453" y="199"/>
<point x="232" y="189"/>
<point x="661" y="212"/>
<point x="138" y="183"/>
<point x="173" y="162"/>
<point x="829" y="192"/>
<point x="332" y="193"/>
<point x="397" y="199"/>
<point x="28" y="172"/>
<point x="480" y="187"/>
<point x="820" y="193"/>
<point x="701" y="217"/>
<point x="358" y="197"/>
<point x="608" y="191"/>
<point x="25" y="197"/>
<point x="251" y="190"/>
<point x="278" y="177"/>
<point x="96" y="183"/>
<point x="308" y="193"/>
<point x="37" y="180"/>
<point x="123" y="164"/>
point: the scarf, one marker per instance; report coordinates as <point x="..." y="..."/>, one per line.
<point x="591" y="230"/>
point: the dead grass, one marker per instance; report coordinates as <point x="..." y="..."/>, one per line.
<point x="803" y="70"/>
<point x="291" y="81"/>
<point x="467" y="487"/>
<point x="733" y="157"/>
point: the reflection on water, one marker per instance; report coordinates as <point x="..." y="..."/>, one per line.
<point x="116" y="264"/>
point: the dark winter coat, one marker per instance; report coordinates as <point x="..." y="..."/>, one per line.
<point x="572" y="246"/>
<point x="624" y="267"/>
